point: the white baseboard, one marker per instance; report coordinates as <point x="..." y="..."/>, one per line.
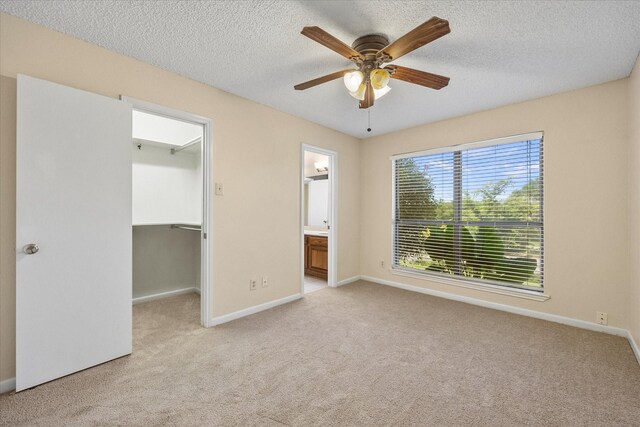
<point x="348" y="280"/>
<point x="7" y="385"/>
<point x="503" y="307"/>
<point x="167" y="294"/>
<point x="252" y="310"/>
<point x="634" y="346"/>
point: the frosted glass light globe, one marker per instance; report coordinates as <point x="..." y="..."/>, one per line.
<point x="379" y="93"/>
<point x="353" y="80"/>
<point x="379" y="78"/>
<point x="359" y="93"/>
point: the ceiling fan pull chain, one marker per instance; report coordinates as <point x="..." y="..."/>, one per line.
<point x="369" y="116"/>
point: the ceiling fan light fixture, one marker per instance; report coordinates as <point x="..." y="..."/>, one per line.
<point x="370" y="79"/>
<point x="379" y="93"/>
<point x="379" y="78"/>
<point x="353" y="80"/>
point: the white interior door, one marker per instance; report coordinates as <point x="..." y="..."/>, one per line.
<point x="319" y="203"/>
<point x="73" y="296"/>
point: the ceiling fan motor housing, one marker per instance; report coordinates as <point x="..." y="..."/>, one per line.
<point x="369" y="46"/>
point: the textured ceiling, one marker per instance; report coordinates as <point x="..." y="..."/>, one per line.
<point x="497" y="53"/>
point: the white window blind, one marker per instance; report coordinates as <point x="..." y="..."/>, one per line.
<point x="472" y="211"/>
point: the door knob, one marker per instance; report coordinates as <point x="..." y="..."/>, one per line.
<point x="31" y="249"/>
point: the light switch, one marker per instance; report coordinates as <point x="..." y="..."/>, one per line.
<point x="219" y="189"/>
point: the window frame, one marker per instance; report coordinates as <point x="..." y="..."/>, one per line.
<point x="536" y="293"/>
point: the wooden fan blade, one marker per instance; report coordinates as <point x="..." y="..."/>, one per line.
<point x="368" y="97"/>
<point x="431" y="30"/>
<point x="422" y="78"/>
<point x="320" y="80"/>
<point x="319" y="35"/>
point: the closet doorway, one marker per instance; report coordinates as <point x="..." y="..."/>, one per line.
<point x="170" y="209"/>
<point x="318" y="218"/>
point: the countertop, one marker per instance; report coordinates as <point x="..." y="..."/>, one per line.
<point x="316" y="233"/>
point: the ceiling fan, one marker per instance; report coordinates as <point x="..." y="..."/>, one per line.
<point x="370" y="80"/>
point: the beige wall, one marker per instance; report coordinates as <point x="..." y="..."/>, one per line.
<point x="634" y="202"/>
<point x="256" y="155"/>
<point x="586" y="242"/>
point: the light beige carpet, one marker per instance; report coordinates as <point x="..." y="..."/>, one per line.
<point x="362" y="354"/>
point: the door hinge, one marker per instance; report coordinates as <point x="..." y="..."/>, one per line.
<point x="205" y="235"/>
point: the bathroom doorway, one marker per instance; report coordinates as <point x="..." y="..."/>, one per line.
<point x="318" y="218"/>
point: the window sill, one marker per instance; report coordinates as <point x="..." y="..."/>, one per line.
<point x="513" y="292"/>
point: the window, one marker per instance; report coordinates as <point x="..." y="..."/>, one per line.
<point x="472" y="211"/>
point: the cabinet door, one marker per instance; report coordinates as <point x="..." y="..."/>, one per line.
<point x="318" y="259"/>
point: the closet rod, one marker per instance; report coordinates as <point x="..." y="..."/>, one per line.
<point x="187" y="145"/>
<point x="186" y="227"/>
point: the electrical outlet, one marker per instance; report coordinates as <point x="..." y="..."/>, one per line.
<point x="219" y="189"/>
<point x="253" y="284"/>
<point x="601" y="317"/>
<point x="382" y="264"/>
<point x="265" y="281"/>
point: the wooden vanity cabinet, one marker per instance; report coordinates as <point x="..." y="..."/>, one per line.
<point x="316" y="260"/>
